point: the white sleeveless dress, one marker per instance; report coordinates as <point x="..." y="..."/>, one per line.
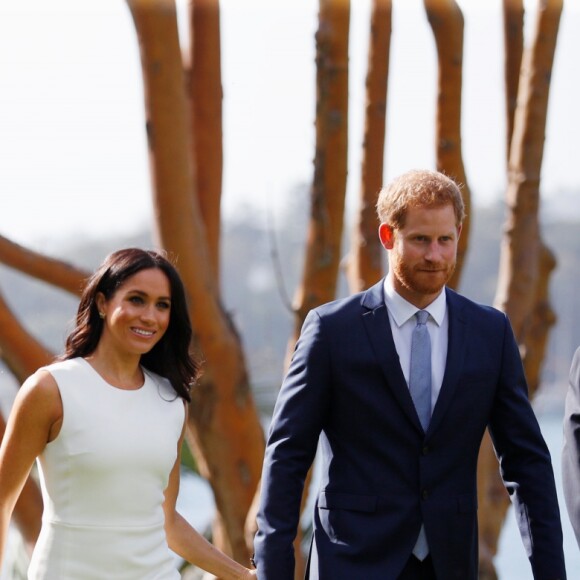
<point x="103" y="479"/>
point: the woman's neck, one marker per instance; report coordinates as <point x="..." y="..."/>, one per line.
<point x="120" y="371"/>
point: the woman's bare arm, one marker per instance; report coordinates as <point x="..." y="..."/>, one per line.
<point x="184" y="540"/>
<point x="35" y="420"/>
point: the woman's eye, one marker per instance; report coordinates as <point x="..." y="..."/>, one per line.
<point x="164" y="305"/>
<point x="136" y="300"/>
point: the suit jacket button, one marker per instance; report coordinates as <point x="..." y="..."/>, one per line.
<point x="424" y="494"/>
<point x="425" y="450"/>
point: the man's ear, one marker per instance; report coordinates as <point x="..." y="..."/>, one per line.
<point x="387" y="236"/>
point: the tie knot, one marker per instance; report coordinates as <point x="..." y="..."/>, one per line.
<point x="422" y="316"/>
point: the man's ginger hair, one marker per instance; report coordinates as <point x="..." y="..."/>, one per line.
<point x="418" y="188"/>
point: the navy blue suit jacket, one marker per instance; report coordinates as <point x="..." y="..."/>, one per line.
<point x="382" y="476"/>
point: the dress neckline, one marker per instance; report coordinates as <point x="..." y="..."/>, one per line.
<point x="108" y="384"/>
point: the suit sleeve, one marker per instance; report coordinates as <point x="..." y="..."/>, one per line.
<point x="526" y="467"/>
<point x="571" y="448"/>
<point x="298" y="418"/>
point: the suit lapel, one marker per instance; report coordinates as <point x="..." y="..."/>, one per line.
<point x="378" y="328"/>
<point x="455" y="356"/>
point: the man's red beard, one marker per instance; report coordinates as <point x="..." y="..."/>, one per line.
<point x="414" y="279"/>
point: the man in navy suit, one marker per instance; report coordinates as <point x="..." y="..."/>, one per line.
<point x="397" y="498"/>
<point x="571" y="449"/>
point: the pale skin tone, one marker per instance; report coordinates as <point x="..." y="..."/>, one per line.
<point x="135" y="319"/>
<point x="422" y="253"/>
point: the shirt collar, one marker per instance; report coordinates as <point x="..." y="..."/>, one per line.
<point x="401" y="310"/>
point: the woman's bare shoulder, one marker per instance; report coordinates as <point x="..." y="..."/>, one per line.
<point x="39" y="395"/>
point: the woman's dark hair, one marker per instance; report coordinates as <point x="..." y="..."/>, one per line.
<point x="170" y="357"/>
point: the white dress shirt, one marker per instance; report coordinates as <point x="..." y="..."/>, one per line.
<point x="403" y="321"/>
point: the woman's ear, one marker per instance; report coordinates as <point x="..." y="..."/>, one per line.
<point x="100" y="302"/>
<point x="387" y="236"/>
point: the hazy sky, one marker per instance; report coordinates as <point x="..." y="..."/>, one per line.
<point x="73" y="156"/>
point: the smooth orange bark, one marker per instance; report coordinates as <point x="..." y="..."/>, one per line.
<point x="542" y="320"/>
<point x="206" y="95"/>
<point x="365" y="263"/>
<point x="323" y="248"/>
<point x="446" y="20"/>
<point x="513" y="23"/>
<point x="519" y="258"/>
<point x="224" y="425"/>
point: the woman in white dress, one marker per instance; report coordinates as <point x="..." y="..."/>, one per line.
<point x="106" y="423"/>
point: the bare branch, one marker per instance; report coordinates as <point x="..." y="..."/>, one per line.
<point x="50" y="270"/>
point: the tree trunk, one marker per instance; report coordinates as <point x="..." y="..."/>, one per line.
<point x="542" y="320"/>
<point x="520" y="250"/>
<point x="364" y="266"/>
<point x="205" y="104"/>
<point x="493" y="497"/>
<point x="225" y="431"/>
<point x="323" y="248"/>
<point x="520" y="291"/>
<point x="513" y="23"/>
<point x="205" y="93"/>
<point x="446" y="20"/>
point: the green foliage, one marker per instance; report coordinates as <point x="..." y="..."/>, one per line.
<point x="187" y="459"/>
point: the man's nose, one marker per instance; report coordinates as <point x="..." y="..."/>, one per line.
<point x="433" y="251"/>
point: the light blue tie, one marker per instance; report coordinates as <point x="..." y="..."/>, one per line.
<point x="420" y="388"/>
<point x="420" y="372"/>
